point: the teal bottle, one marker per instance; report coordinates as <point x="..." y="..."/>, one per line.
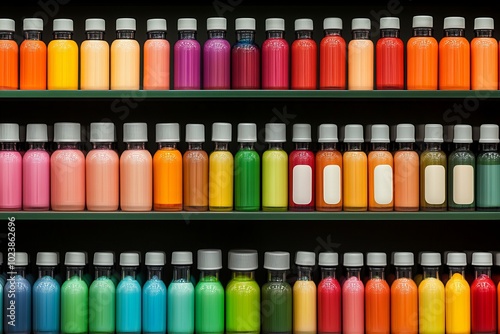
<point x="102" y="295"/>
<point x="488" y="169"/>
<point x="180" y="295"/>
<point x="247" y="170"/>
<point x="74" y="296"/>
<point x="209" y="293"/>
<point x="276" y="303"/>
<point x="128" y="296"/>
<point x="461" y="171"/>
<point x="154" y="296"/>
<point x="46" y="295"/>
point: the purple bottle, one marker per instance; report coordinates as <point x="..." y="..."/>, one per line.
<point x="216" y="55"/>
<point x="187" y="52"/>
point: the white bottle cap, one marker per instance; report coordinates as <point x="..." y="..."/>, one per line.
<point x="328" y="259"/>
<point x="102" y="132"/>
<point x="135" y="132"/>
<point x="95" y="25"/>
<point x="167" y="133"/>
<point x="327" y="133"/>
<point x="105" y="259"/>
<point x="423" y="21"/>
<point x="156" y="25"/>
<point x="405" y="133"/>
<point x="7" y="25"/>
<point x="277" y="260"/>
<point x="125" y="23"/>
<point x="9" y="133"/>
<point x="216" y="23"/>
<point x="301" y="133"/>
<point x="380" y="133"/>
<point x="403" y="259"/>
<point x="33" y="24"/>
<point x="247" y="133"/>
<point x="67" y="132"/>
<point x="182" y="258"/>
<point x="195" y="133"/>
<point x="488" y="133"/>
<point x="462" y="133"/>
<point x="209" y="259"/>
<point x="305" y="258"/>
<point x="187" y="24"/>
<point x="353" y="133"/>
<point x="36" y="133"/>
<point x="275" y="24"/>
<point x="62" y="25"/>
<point x="389" y="23"/>
<point x="154" y="259"/>
<point x="353" y="259"/>
<point x="458" y="259"/>
<point x="433" y="133"/>
<point x="74" y="259"/>
<point x="361" y="24"/>
<point x="454" y="22"/>
<point x="244" y="23"/>
<point x="482" y="259"/>
<point x="332" y="23"/>
<point x="486" y="23"/>
<point x="20" y="259"/>
<point x="304" y="24"/>
<point x="275" y="133"/>
<point x="46" y="259"/>
<point x="221" y="132"/>
<point x="430" y="259"/>
<point x="129" y="259"/>
<point x="243" y="260"/>
<point x="376" y="259"/>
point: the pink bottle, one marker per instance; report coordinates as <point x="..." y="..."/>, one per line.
<point x="67" y="169"/>
<point x="275" y="56"/>
<point x="11" y="169"/>
<point x="36" y="169"/>
<point x="102" y="169"/>
<point x="136" y="169"/>
<point x="353" y="295"/>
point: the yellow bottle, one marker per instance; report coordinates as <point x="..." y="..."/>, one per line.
<point x="125" y="56"/>
<point x="221" y="170"/>
<point x="355" y="170"/>
<point x="431" y="316"/>
<point x="457" y="292"/>
<point x="275" y="169"/>
<point x="62" y="57"/>
<point x="304" y="295"/>
<point x="94" y="57"/>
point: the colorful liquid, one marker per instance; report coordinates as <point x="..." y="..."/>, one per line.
<point x="154" y="306"/>
<point x="275" y="63"/>
<point x="156" y="64"/>
<point x="36" y="180"/>
<point x="167" y="180"/>
<point x="9" y="66"/>
<point x="329" y="306"/>
<point x="46" y="294"/>
<point x="125" y="64"/>
<point x="274" y="180"/>
<point x="102" y="180"/>
<point x="21" y="322"/>
<point x="94" y="65"/>
<point x="454" y="63"/>
<point x="332" y="62"/>
<point x="247" y="180"/>
<point x="216" y="64"/>
<point x="180" y="308"/>
<point x="245" y="65"/>
<point x="328" y="180"/>
<point x="62" y="64"/>
<point x="136" y="180"/>
<point x="377" y="306"/>
<point x="187" y="53"/>
<point x="128" y="306"/>
<point x="422" y="63"/>
<point x="33" y="65"/>
<point x="431" y="306"/>
<point x="390" y="63"/>
<point x="102" y="297"/>
<point x="355" y="181"/>
<point x="301" y="180"/>
<point x="242" y="306"/>
<point x="406" y="181"/>
<point x="360" y="64"/>
<point x="304" y="64"/>
<point x="483" y="297"/>
<point x="74" y="306"/>
<point x="353" y="306"/>
<point x="304" y="307"/>
<point x="433" y="181"/>
<point x="484" y="63"/>
<point x="195" y="174"/>
<point x="404" y="306"/>
<point x="380" y="181"/>
<point x="461" y="177"/>
<point x="67" y="180"/>
<point x="11" y="180"/>
<point x="276" y="308"/>
<point x="457" y="305"/>
<point x="209" y="306"/>
<point x="487" y="177"/>
<point x="220" y="186"/>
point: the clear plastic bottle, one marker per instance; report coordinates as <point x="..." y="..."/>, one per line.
<point x="380" y="170"/>
<point x="406" y="170"/>
<point x="304" y="54"/>
<point x="187" y="56"/>
<point x="353" y="293"/>
<point x="457" y="295"/>
<point x="156" y="62"/>
<point x="404" y="295"/>
<point x="9" y="53"/>
<point x="275" y="169"/>
<point x="275" y="56"/>
<point x="11" y="168"/>
<point x="245" y="56"/>
<point x="154" y="295"/>
<point x="389" y="56"/>
<point x="488" y="169"/>
<point x="377" y="295"/>
<point x="216" y="55"/>
<point x="180" y="295"/>
<point x="129" y="296"/>
<point x="74" y="295"/>
<point x="21" y="299"/>
<point x="454" y="55"/>
<point x="62" y="57"/>
<point x="221" y="169"/>
<point x="328" y="173"/>
<point x="301" y="169"/>
<point x="102" y="295"/>
<point x="431" y="295"/>
<point x="360" y="52"/>
<point x="305" y="294"/>
<point x="46" y="294"/>
<point x="247" y="170"/>
<point x="484" y="55"/>
<point x="195" y="170"/>
<point x="125" y="56"/>
<point x="332" y="56"/>
<point x="329" y="295"/>
<point x="33" y="56"/>
<point x="355" y="170"/>
<point x="483" y="295"/>
<point x="94" y="57"/>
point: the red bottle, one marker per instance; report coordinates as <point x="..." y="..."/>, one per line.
<point x="389" y="55"/>
<point x="329" y="295"/>
<point x="301" y="170"/>
<point x="275" y="56"/>
<point x="332" y="56"/>
<point x="483" y="295"/>
<point x="304" y="56"/>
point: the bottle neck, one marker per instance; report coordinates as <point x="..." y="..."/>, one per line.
<point x="195" y="146"/>
<point x="380" y="146"/>
<point x="129" y="271"/>
<point x="422" y="32"/>
<point x="302" y="146"/>
<point x="394" y="33"/>
<point x="155" y="271"/>
<point x="221" y="146"/>
<point x="67" y="146"/>
<point x="248" y="275"/>
<point x="20" y="271"/>
<point x="433" y="146"/>
<point x="275" y="146"/>
<point x="102" y="146"/>
<point x="187" y="34"/>
<point x="36" y="146"/>
<point x="454" y="32"/>
<point x="328" y="146"/>
<point x="157" y="34"/>
<point x="483" y="33"/>
<point x="482" y="271"/>
<point x="182" y="273"/>
<point x="332" y="32"/>
<point x="489" y="147"/>
<point x="462" y="147"/>
<point x="354" y="146"/>
<point x="63" y="35"/>
<point x="171" y="146"/>
<point x="275" y="34"/>
<point x="74" y="271"/>
<point x="377" y="272"/>
<point x="125" y="34"/>
<point x="327" y="272"/>
<point x="103" y="271"/>
<point x="247" y="146"/>
<point x="303" y="34"/>
<point x="95" y="35"/>
<point x="403" y="272"/>
<point x="34" y="35"/>
<point x="136" y="146"/>
<point x="353" y="272"/>
<point x="46" y="271"/>
<point x="245" y="36"/>
<point x="220" y="34"/>
<point x="361" y="34"/>
<point x="6" y="35"/>
<point x="431" y="272"/>
<point x="8" y="146"/>
<point x="209" y="273"/>
<point x="405" y="146"/>
<point x="304" y="273"/>
<point x="456" y="270"/>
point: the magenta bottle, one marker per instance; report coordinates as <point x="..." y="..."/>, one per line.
<point x="10" y="168"/>
<point x="245" y="56"/>
<point x="36" y="169"/>
<point x="275" y="56"/>
<point x="187" y="53"/>
<point x="216" y="55"/>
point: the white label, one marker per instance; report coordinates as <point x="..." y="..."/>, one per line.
<point x="463" y="184"/>
<point x="331" y="184"/>
<point x="382" y="184"/>
<point x="435" y="184"/>
<point x="302" y="184"/>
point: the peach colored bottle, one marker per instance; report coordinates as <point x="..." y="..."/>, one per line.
<point x="404" y="296"/>
<point x="454" y="56"/>
<point x="102" y="169"/>
<point x="167" y="169"/>
<point x="380" y="170"/>
<point x="9" y="53"/>
<point x="67" y="169"/>
<point x="62" y="57"/>
<point x="125" y="56"/>
<point x="195" y="170"/>
<point x="484" y="55"/>
<point x="355" y="170"/>
<point x="136" y="169"/>
<point x="94" y="57"/>
<point x="406" y="170"/>
<point x="156" y="62"/>
<point x="360" y="56"/>
<point x="33" y="56"/>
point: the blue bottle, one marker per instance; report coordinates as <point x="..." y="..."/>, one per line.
<point x="102" y="295"/>
<point x="17" y="297"/>
<point x="128" y="296"/>
<point x="154" y="296"/>
<point x="180" y="295"/>
<point x="46" y="296"/>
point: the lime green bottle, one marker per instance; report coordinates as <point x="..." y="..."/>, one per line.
<point x="74" y="296"/>
<point x="275" y="169"/>
<point x="102" y="295"/>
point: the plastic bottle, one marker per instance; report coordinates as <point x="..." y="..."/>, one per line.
<point x="275" y="169"/>
<point x="457" y="295"/>
<point x="247" y="170"/>
<point x="11" y="168"/>
<point x="94" y="57"/>
<point x="404" y="296"/>
<point x="46" y="295"/>
<point x="74" y="296"/>
<point x="360" y="52"/>
<point x="431" y="295"/>
<point x="301" y="170"/>
<point x="305" y="294"/>
<point x="125" y="56"/>
<point x="154" y="295"/>
<point x="245" y="56"/>
<point x="180" y="295"/>
<point x="195" y="170"/>
<point x="406" y="170"/>
<point x="353" y="294"/>
<point x="304" y="56"/>
<point x="355" y="170"/>
<point x="21" y="299"/>
<point x="33" y="56"/>
<point x="9" y="55"/>
<point x="221" y="169"/>
<point x="275" y="56"/>
<point x="390" y="56"/>
<point x="332" y="56"/>
<point x="484" y="55"/>
<point x="102" y="295"/>
<point x="187" y="54"/>
<point x="216" y="55"/>
<point x="156" y="63"/>
<point x="377" y="295"/>
<point x="454" y="56"/>
<point x="329" y="295"/>
<point x="380" y="170"/>
<point x="129" y="296"/>
<point x="483" y="295"/>
<point x="62" y="57"/>
<point x="488" y="169"/>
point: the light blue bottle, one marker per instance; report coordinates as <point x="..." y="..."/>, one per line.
<point x="17" y="297"/>
<point x="180" y="295"/>
<point x="102" y="295"/>
<point x="128" y="296"/>
<point x="46" y="296"/>
<point x="154" y="296"/>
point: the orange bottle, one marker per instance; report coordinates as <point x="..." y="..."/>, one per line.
<point x="33" y="56"/>
<point x="380" y="170"/>
<point x="304" y="56"/>
<point x="156" y="61"/>
<point x="8" y="55"/>
<point x="484" y="55"/>
<point x="355" y="170"/>
<point x="328" y="170"/>
<point x="404" y="296"/>
<point x="454" y="56"/>
<point x="377" y="296"/>
<point x="406" y="170"/>
<point x="422" y="55"/>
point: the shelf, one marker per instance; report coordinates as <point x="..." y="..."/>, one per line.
<point x="238" y="216"/>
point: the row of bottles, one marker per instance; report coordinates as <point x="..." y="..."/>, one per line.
<point x="453" y="63"/>
<point x="350" y="303"/>
<point x="331" y="179"/>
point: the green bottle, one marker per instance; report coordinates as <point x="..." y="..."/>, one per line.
<point x="247" y="170"/>
<point x="102" y="295"/>
<point x="74" y="296"/>
<point x="275" y="169"/>
<point x="488" y="169"/>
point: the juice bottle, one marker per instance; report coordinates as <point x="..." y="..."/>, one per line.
<point x="129" y="295"/>
<point x="329" y="295"/>
<point x="62" y="57"/>
<point x="389" y="55"/>
<point x="332" y="55"/>
<point x="187" y="53"/>
<point x="380" y="170"/>
<point x="353" y="295"/>
<point x="404" y="296"/>
<point x="74" y="296"/>
<point x="488" y="169"/>
<point x="125" y="56"/>
<point x="156" y="62"/>
<point x="33" y="56"/>
<point x="454" y="56"/>
<point x="360" y="61"/>
<point x="304" y="295"/>
<point x="431" y="296"/>
<point x="355" y="170"/>
<point x="275" y="56"/>
<point x="483" y="295"/>
<point x="94" y="57"/>
<point x="9" y="55"/>
<point x="221" y="169"/>
<point x="484" y="55"/>
<point x="154" y="295"/>
<point x="377" y="295"/>
<point x="275" y="169"/>
<point x="304" y="56"/>
<point x="247" y="170"/>
<point x="21" y="299"/>
<point x="406" y="170"/>
<point x="11" y="168"/>
<point x="195" y="170"/>
<point x="457" y="295"/>
<point x="46" y="294"/>
<point x="180" y="295"/>
<point x="245" y="56"/>
<point x="216" y="55"/>
<point x="301" y="170"/>
<point x="102" y="295"/>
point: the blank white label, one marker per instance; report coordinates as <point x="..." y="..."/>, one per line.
<point x="382" y="184"/>
<point x="302" y="184"/>
<point x="435" y="184"/>
<point x="463" y="184"/>
<point x="331" y="184"/>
